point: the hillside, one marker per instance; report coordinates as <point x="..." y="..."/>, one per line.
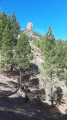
<point x="11" y="104"/>
<point x="33" y="73"/>
<point x="38" y="59"/>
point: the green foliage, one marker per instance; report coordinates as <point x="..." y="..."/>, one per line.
<point x="15" y="24"/>
<point x="15" y="29"/>
<point x="41" y="71"/>
<point x="55" y="54"/>
<point x="57" y="95"/>
<point x="6" y="49"/>
<point x="60" y="54"/>
<point x="0" y="29"/>
<point x="65" y="75"/>
<point x="3" y="21"/>
<point x="42" y="79"/>
<point x="12" y="24"/>
<point x="44" y="65"/>
<point x="43" y="97"/>
<point x="37" y="34"/>
<point x="23" y="51"/>
<point x="31" y="56"/>
<point x="49" y="44"/>
<point x="37" y="42"/>
<point x="9" y="29"/>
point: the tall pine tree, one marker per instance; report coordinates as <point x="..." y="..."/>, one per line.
<point x="22" y="56"/>
<point x="6" y="50"/>
<point x="15" y="29"/>
<point x="49" y="44"/>
<point x="49" y="53"/>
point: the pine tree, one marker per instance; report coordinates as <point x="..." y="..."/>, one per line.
<point x="60" y="59"/>
<point x="9" y="29"/>
<point x="0" y="30"/>
<point x="49" y="53"/>
<point x="59" y="53"/>
<point x="50" y="72"/>
<point x="9" y="22"/>
<point x="6" y="50"/>
<point x="3" y="22"/>
<point x="15" y="29"/>
<point x="23" y="51"/>
<point x="65" y="56"/>
<point x="49" y="44"/>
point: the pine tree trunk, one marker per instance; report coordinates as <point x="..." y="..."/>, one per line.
<point x="52" y="96"/>
<point x="11" y="68"/>
<point x="51" y="91"/>
<point x="20" y="77"/>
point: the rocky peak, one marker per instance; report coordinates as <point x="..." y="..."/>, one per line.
<point x="30" y="26"/>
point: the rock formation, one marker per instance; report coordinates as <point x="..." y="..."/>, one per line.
<point x="30" y="26"/>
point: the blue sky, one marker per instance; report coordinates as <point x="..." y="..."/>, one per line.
<point x="42" y="13"/>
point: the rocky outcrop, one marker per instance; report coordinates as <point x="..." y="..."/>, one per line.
<point x="29" y="29"/>
<point x="30" y="26"/>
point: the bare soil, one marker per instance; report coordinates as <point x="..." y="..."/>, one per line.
<point x="12" y="106"/>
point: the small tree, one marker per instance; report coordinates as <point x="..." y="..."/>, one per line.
<point x="49" y="44"/>
<point x="49" y="53"/>
<point x="23" y="51"/>
<point x="6" y="49"/>
<point x="50" y="72"/>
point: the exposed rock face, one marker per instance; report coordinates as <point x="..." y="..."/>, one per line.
<point x="30" y="26"/>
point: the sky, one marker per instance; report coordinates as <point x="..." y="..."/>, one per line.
<point x="42" y="13"/>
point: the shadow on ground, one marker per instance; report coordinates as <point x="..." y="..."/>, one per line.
<point x="34" y="109"/>
<point x="34" y="83"/>
<point x="34" y="68"/>
<point x="16" y="109"/>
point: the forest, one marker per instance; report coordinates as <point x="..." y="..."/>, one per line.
<point x="54" y="52"/>
<point x="16" y="53"/>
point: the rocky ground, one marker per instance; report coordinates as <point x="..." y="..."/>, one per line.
<point x="12" y="106"/>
